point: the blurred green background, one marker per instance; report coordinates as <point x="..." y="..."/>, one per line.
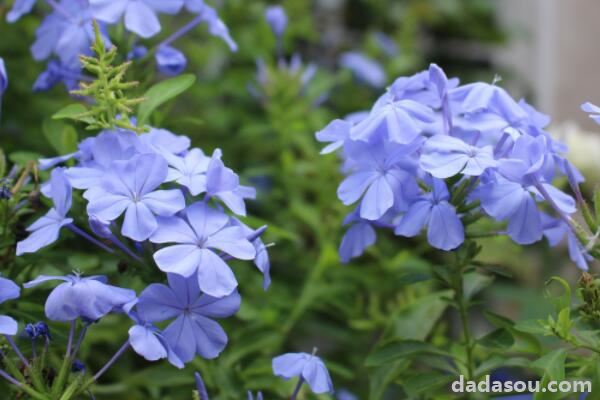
<point x="267" y="135"/>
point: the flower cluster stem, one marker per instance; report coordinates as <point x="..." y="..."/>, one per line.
<point x="297" y="389"/>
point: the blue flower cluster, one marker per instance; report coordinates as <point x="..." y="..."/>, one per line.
<point x="152" y="193"/>
<point x="432" y="154"/>
<point x="67" y="32"/>
<point x="277" y="19"/>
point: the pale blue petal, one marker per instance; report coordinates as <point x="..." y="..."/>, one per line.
<point x="445" y="230"/>
<point x="182" y="259"/>
<point x="215" y="278"/>
<point x="232" y="241"/>
<point x="139" y="223"/>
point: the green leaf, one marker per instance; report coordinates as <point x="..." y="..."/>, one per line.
<point x="62" y="137"/>
<point x="161" y="93"/>
<point x="552" y="364"/>
<point x="403" y="349"/>
<point x="561" y="301"/>
<point x="531" y="326"/>
<point x="23" y="157"/>
<point x="474" y="282"/>
<point x="425" y="383"/>
<point x="382" y="376"/>
<point x="498" y="339"/>
<point x="418" y="318"/>
<point x="72" y="111"/>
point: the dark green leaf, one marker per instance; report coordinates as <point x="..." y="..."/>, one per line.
<point x="161" y="93"/>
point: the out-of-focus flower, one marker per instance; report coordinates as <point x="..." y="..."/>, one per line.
<point x="170" y="61"/>
<point x="365" y="69"/>
<point x="89" y="297"/>
<point x="593" y="110"/>
<point x="193" y="331"/>
<point x="45" y="230"/>
<point x="200" y="386"/>
<point x="198" y="233"/>
<point x="308" y="366"/>
<point x="19" y="8"/>
<point x="3" y="78"/>
<point x="8" y="291"/>
<point x="57" y="73"/>
<point x="67" y="33"/>
<point x="277" y="19"/>
<point x="141" y="16"/>
<point x="216" y="26"/>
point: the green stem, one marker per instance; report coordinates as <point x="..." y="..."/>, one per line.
<point x="463" y="309"/>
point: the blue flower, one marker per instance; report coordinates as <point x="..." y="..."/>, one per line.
<point x="307" y="366"/>
<point x="200" y="386"/>
<point x="198" y="233"/>
<point x="19" y="8"/>
<point x="259" y="396"/>
<point x="401" y="121"/>
<point x="45" y="230"/>
<point x="170" y="61"/>
<point x="364" y="68"/>
<point x="3" y="78"/>
<point x="336" y="132"/>
<point x="67" y="32"/>
<point x="140" y="15"/>
<point x="90" y="297"/>
<point x="149" y="342"/>
<point x="130" y="188"/>
<point x="593" y="109"/>
<point x="216" y="26"/>
<point x="356" y="239"/>
<point x="224" y="184"/>
<point x="555" y="231"/>
<point x="277" y="19"/>
<point x="444" y="156"/>
<point x="193" y="331"/>
<point x="378" y="170"/>
<point x="189" y="170"/>
<point x="8" y="291"/>
<point x="37" y="330"/>
<point x="56" y="73"/>
<point x="444" y="228"/>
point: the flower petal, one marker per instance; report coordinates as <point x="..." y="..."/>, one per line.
<point x="182" y="259"/>
<point x="215" y="278"/>
<point x="139" y="223"/>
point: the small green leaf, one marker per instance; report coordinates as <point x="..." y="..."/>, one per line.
<point x="425" y="382"/>
<point x="72" y="111"/>
<point x="62" y="137"/>
<point x="401" y="350"/>
<point x="474" y="282"/>
<point x="498" y="339"/>
<point x="161" y="93"/>
<point x="552" y="364"/>
<point x="23" y="157"/>
<point x="561" y="301"/>
<point x="419" y="317"/>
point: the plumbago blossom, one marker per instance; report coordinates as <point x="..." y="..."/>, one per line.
<point x="67" y="32"/>
<point x="153" y="187"/>
<point x="149" y="197"/>
<point x="433" y="155"/>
